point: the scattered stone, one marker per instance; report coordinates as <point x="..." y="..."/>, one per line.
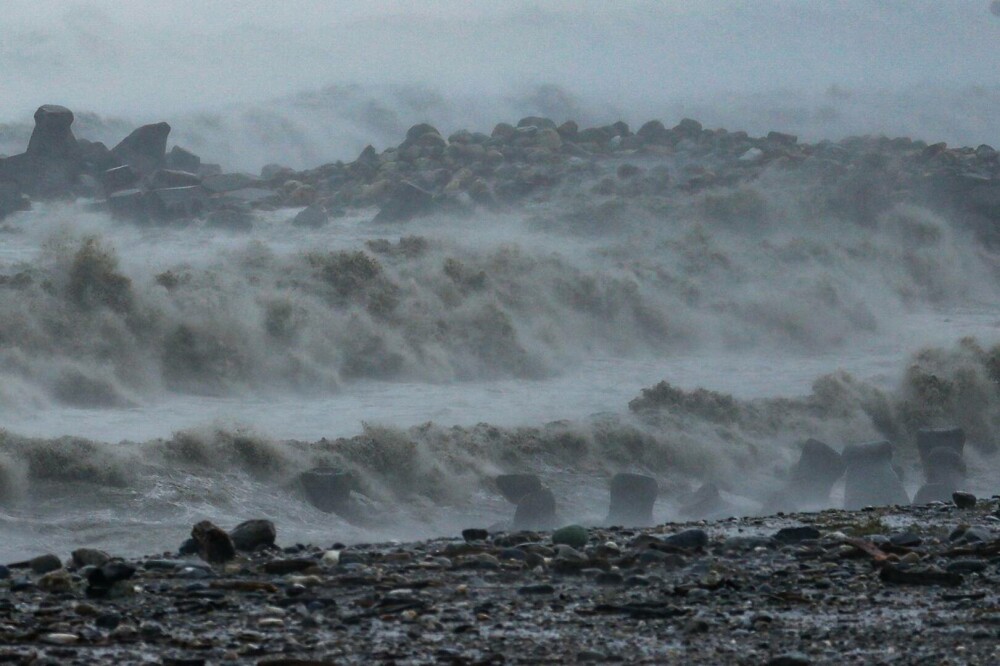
<point x="793" y="535"/>
<point x="313" y="216"/>
<point x="253" y="534"/>
<point x="408" y="200"/>
<point x="691" y="539"/>
<point x="964" y="500"/>
<point x="214" y="544"/>
<point x="473" y="534"/>
<point x="43" y="564"/>
<point x="89" y="557"/>
<point x="574" y="536"/>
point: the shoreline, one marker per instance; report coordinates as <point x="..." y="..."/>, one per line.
<point x="803" y="588"/>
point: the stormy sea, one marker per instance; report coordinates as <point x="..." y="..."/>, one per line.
<point x="633" y="258"/>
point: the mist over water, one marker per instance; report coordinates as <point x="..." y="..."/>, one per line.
<point x="153" y="376"/>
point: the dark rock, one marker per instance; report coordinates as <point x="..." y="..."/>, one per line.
<point x="128" y="204"/>
<point x="541" y="588"/>
<point x="52" y="136"/>
<point x="189" y="547"/>
<point x="568" y="130"/>
<point x="407" y="201"/>
<point x="474" y="534"/>
<point x="515" y="486"/>
<point x="183" y="160"/>
<point x="313" y="216"/>
<point x="249" y="196"/>
<point x="11" y="197"/>
<point x="792" y="535"/>
<point x="536" y="511"/>
<point x="692" y="539"/>
<point x="328" y="489"/>
<point x="95" y="156"/>
<point x="89" y="557"/>
<point x="503" y="132"/>
<point x="419" y="130"/>
<point x="253" y="534"/>
<point x="906" y="540"/>
<point x="145" y="149"/>
<point x="43" y="564"/>
<point x="214" y="544"/>
<point x="782" y="139"/>
<point x="966" y="566"/>
<point x="103" y="578"/>
<point x="536" y="121"/>
<point x="964" y="500"/>
<point x="172" y="203"/>
<point x="108" y="621"/>
<point x="4" y="572"/>
<point x="654" y="132"/>
<point x="688" y="128"/>
<point x="574" y="536"/>
<point x="118" y="179"/>
<point x="899" y="576"/>
<point x="282" y="567"/>
<point x="632" y="499"/>
<point x="52" y="164"/>
<point x="173" y="178"/>
<point x="231" y="182"/>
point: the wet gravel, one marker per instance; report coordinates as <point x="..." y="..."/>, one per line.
<point x="895" y="585"/>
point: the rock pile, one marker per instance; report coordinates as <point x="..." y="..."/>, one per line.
<point x="535" y="160"/>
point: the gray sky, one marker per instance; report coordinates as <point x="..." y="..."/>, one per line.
<point x="134" y="56"/>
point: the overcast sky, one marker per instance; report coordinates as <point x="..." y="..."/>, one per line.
<point x="137" y="56"/>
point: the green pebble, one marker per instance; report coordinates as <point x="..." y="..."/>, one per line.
<point x="574" y="536"/>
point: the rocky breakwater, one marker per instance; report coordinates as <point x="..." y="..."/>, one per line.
<point x="536" y="160"/>
<point x="910" y="584"/>
<point x="856" y="178"/>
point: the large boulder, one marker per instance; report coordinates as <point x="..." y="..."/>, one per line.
<point x="145" y="149"/>
<point x="407" y="201"/>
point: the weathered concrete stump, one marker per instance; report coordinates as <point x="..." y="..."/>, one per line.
<point x="329" y="490"/>
<point x="929" y="439"/>
<point x="812" y="477"/>
<point x="933" y="492"/>
<point x="632" y="499"/>
<point x="536" y="511"/>
<point x="515" y="486"/>
<point x="870" y="478"/>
